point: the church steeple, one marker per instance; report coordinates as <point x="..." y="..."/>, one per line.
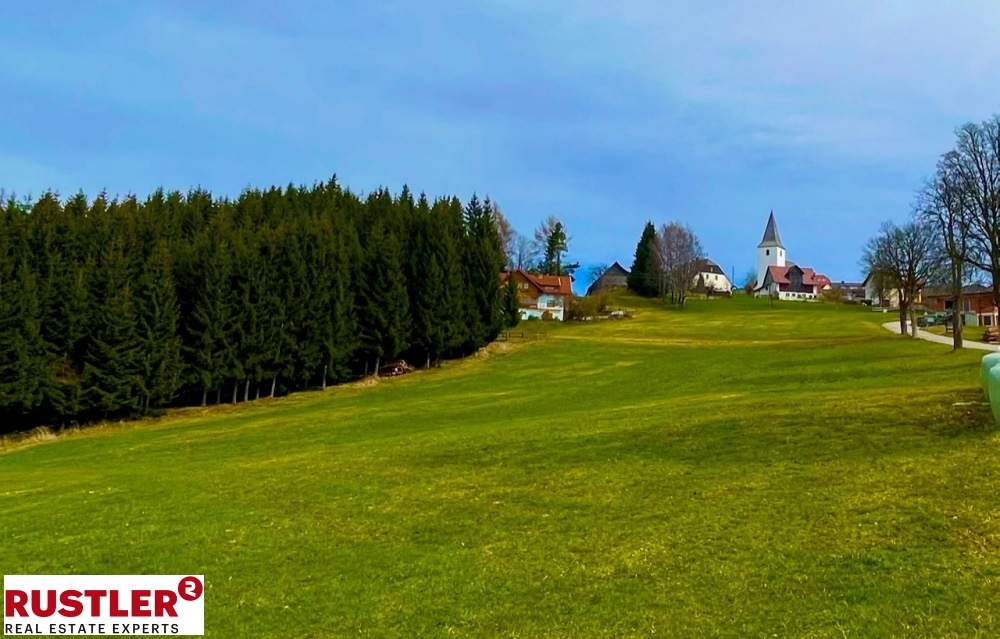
<point x="771" y="237"/>
<point x="770" y="251"/>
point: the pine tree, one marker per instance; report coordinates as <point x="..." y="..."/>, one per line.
<point x="461" y="321"/>
<point x="642" y="278"/>
<point x="210" y="323"/>
<point x="25" y="371"/>
<point x="384" y="313"/>
<point x="427" y="287"/>
<point x="485" y="260"/>
<point x="113" y="361"/>
<point x="512" y="312"/>
<point x="158" y="318"/>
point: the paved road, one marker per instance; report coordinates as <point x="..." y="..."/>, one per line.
<point x="941" y="339"/>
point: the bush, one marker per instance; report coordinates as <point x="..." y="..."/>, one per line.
<point x="589" y="306"/>
<point x="830" y="295"/>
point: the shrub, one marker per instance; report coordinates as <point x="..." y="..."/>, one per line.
<point x="831" y="294"/>
<point x="589" y="306"/>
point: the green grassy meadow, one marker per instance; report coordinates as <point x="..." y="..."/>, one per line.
<point x="731" y="469"/>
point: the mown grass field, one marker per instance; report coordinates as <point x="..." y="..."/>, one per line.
<point x="727" y="470"/>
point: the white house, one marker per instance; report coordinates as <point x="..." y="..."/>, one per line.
<point x="541" y="296"/>
<point x="711" y="279"/>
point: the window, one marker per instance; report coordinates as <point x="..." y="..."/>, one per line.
<point x="767" y="251"/>
<point x="987" y="320"/>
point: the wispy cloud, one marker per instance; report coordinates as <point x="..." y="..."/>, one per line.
<point x="605" y="114"/>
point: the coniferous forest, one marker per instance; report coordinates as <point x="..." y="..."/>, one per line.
<point x="113" y="308"/>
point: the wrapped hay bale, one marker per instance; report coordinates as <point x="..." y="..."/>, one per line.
<point x="994" y="376"/>
<point x="989" y="361"/>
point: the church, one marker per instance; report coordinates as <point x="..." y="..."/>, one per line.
<point x="780" y="278"/>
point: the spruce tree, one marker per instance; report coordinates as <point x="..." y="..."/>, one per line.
<point x="158" y="317"/>
<point x="210" y="323"/>
<point x="511" y="307"/>
<point x="384" y="317"/>
<point x="25" y="371"/>
<point x="113" y="362"/>
<point x="485" y="259"/>
<point x="642" y="278"/>
<point x="427" y="287"/>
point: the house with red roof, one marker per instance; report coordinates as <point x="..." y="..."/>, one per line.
<point x="780" y="278"/>
<point x="538" y="295"/>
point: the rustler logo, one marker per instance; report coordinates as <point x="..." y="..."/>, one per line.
<point x="123" y="605"/>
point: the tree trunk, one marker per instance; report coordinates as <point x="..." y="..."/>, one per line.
<point x="236" y="385"/>
<point x="246" y="390"/>
<point x="378" y="360"/>
<point x="428" y="364"/>
<point x="204" y="397"/>
<point x="902" y="318"/>
<point x="913" y="321"/>
<point x="324" y="376"/>
<point x="274" y="384"/>
<point x="218" y="394"/>
<point x="956" y="322"/>
<point x="258" y="391"/>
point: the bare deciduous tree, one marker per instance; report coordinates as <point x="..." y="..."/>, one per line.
<point x="908" y="256"/>
<point x="943" y="204"/>
<point x="525" y="252"/>
<point x="677" y="254"/>
<point x="975" y="164"/>
<point x="507" y="235"/>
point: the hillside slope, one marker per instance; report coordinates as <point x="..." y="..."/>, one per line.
<point x="731" y="470"/>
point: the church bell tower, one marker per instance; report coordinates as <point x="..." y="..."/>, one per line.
<point x="770" y="251"/>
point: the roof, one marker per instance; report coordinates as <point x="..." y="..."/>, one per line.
<point x="945" y="291"/>
<point x="771" y="237"/>
<point x="843" y="284"/>
<point x="614" y="273"/>
<point x="810" y="277"/>
<point x="706" y="265"/>
<point x="615" y="269"/>
<point x="546" y="284"/>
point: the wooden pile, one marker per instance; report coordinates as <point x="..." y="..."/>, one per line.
<point x="991" y="335"/>
<point x="392" y="369"/>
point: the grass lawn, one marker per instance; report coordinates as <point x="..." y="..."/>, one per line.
<point x="727" y="470"/>
<point x="969" y="333"/>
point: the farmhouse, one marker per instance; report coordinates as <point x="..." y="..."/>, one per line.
<point x="780" y="278"/>
<point x="976" y="300"/>
<point x="615" y="276"/>
<point x="541" y="296"/>
<point x="711" y="279"/>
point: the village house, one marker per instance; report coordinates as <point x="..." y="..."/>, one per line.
<point x="780" y="278"/>
<point x="538" y="295"/>
<point x="884" y="297"/>
<point x="711" y="279"/>
<point x="977" y="302"/>
<point x="851" y="291"/>
<point x="615" y="276"/>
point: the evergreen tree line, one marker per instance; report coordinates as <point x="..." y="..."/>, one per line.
<point x="119" y="307"/>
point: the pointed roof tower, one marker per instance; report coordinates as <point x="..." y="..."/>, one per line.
<point x="771" y="237"/>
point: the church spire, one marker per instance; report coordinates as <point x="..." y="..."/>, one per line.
<point x="771" y="237"/>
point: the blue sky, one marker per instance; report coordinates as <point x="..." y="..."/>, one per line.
<point x="603" y="114"/>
